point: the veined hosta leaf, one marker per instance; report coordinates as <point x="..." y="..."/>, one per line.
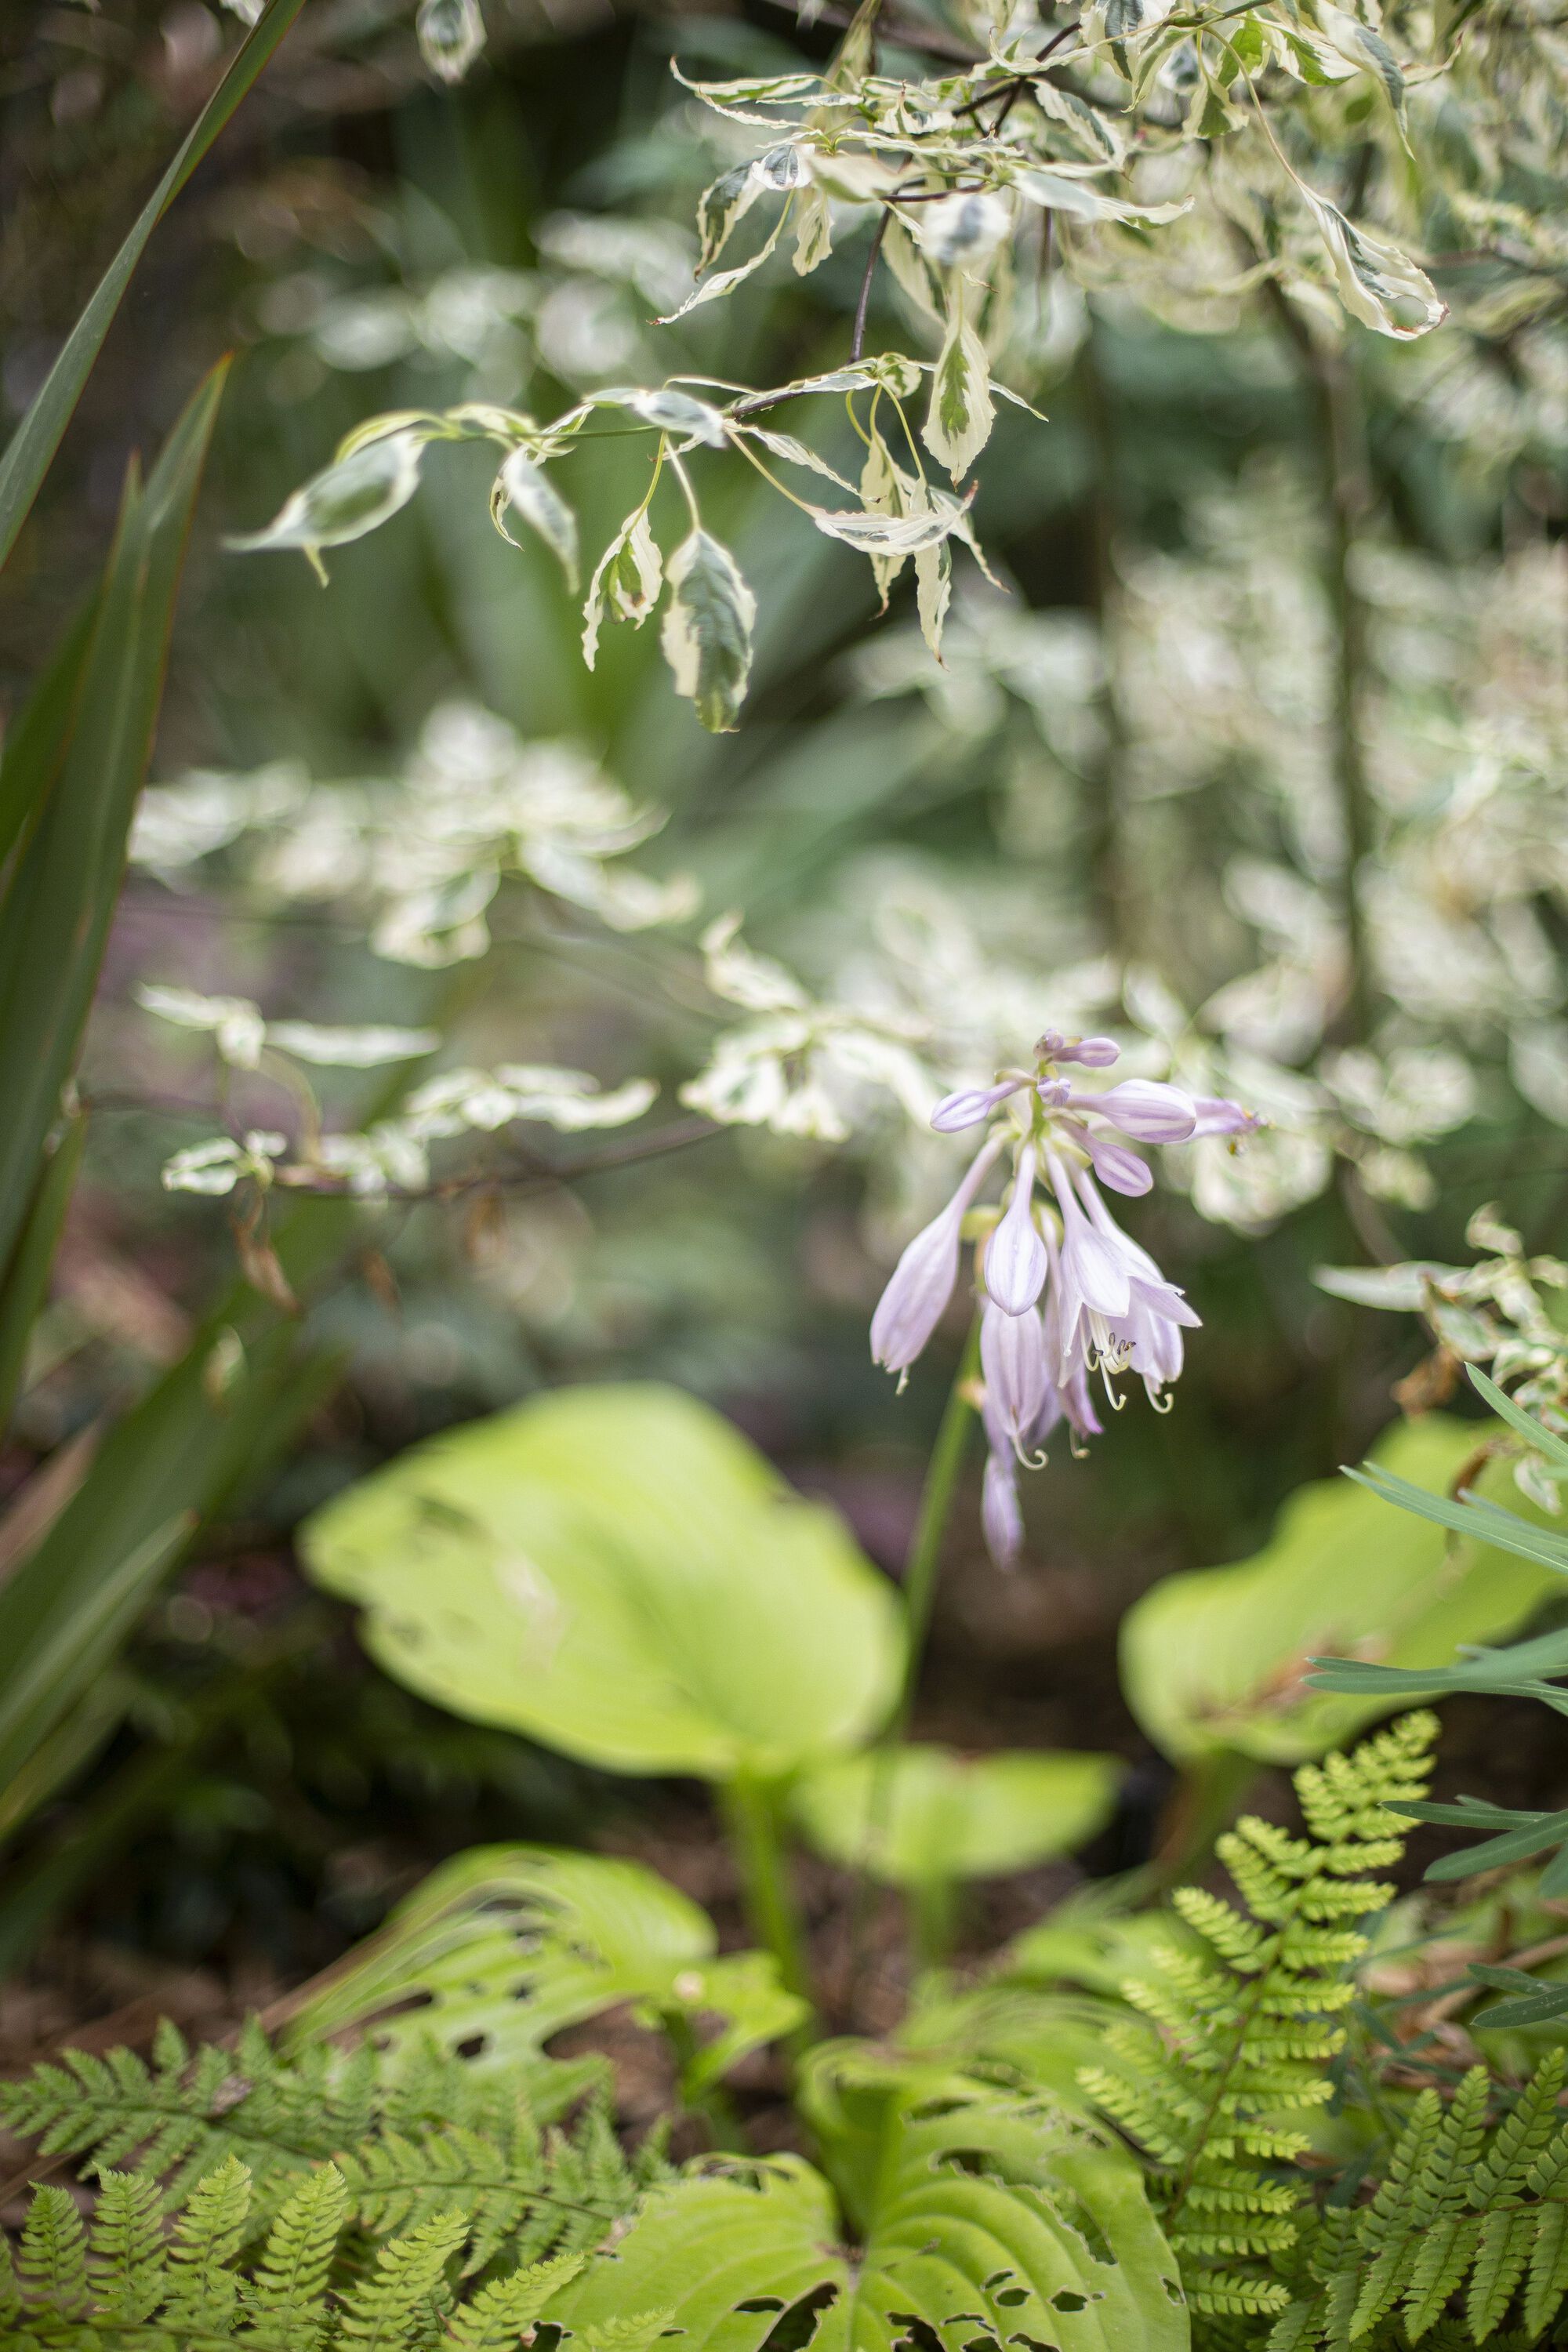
<point x="958" y="421"/>
<point x="524" y="485"/>
<point x="504" y="1947"/>
<point x="451" y="34"/>
<point x="615" y="1571"/>
<point x="924" y="1814"/>
<point x="1059" y="192"/>
<point x="675" y="412"/>
<point x="707" y="633"/>
<point x="627" y="578"/>
<point x="1218" y="1657"/>
<point x="344" y="501"/>
<point x="995" y="2221"/>
<point x="1378" y="284"/>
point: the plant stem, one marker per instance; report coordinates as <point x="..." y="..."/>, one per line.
<point x="924" y="1558"/>
<point x="933" y="1906"/>
<point x="751" y="1809"/>
<point x="1341" y="455"/>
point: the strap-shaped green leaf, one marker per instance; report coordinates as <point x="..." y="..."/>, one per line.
<point x="32" y="446"/>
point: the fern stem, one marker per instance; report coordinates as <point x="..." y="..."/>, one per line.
<point x="751" y="1809"/>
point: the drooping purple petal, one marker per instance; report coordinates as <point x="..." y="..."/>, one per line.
<point x="1093" y="1272"/>
<point x="923" y="1282"/>
<point x="1016" y="1261"/>
<point x="1144" y="1277"/>
<point x="1001" y="1516"/>
<point x="971" y="1105"/>
<point x="1017" y="1379"/>
<point x="1144" y="1108"/>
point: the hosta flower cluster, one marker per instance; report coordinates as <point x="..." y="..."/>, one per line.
<point x="1064" y="1292"/>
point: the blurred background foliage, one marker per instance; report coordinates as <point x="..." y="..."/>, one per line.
<point x="1129" y="764"/>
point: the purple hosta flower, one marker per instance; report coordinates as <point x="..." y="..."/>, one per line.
<point x="1065" y="1291"/>
<point x="923" y="1282"/>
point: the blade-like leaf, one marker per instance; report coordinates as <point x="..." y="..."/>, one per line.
<point x="60" y="900"/>
<point x="36" y="439"/>
<point x="26" y="1278"/>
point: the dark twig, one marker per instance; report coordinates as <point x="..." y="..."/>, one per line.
<point x="857" y="343"/>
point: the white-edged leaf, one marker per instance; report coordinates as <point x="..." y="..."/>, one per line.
<point x="933" y="592"/>
<point x="724" y="281"/>
<point x="1374" y="278"/>
<point x="1363" y="45"/>
<point x="894" y="534"/>
<point x="707" y="633"/>
<point x="627" y="578"/>
<point x="794" y="453"/>
<point x="347" y="500"/>
<point x="451" y="33"/>
<point x="725" y="202"/>
<point x="765" y="89"/>
<point x="812" y="230"/>
<point x="958" y="421"/>
<point x="961" y="232"/>
<point x="350" y="1049"/>
<point x="673" y="412"/>
<point x="910" y="269"/>
<point x="523" y="486"/>
<point x="1059" y="192"/>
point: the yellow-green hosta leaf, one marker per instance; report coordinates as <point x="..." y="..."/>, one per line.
<point x="617" y="1572"/>
<point x="1217" y="1658"/>
<point x="923" y="1815"/>
<point x="707" y="633"/>
<point x="993" y="2221"/>
<point x="958" y="421"/>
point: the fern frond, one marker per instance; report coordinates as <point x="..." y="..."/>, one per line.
<point x="287" y="2297"/>
<point x="407" y="2297"/>
<point x="1247" y="2018"/>
<point x="127" y="2257"/>
<point x="53" y="2259"/>
<point x="501" y="2312"/>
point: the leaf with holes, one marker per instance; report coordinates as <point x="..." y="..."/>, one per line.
<point x="504" y="1947"/>
<point x="982" y="2221"/>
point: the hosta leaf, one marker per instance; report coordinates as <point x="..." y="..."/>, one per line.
<point x="993" y="2222"/>
<point x="707" y="633"/>
<point x="1218" y="1657"/>
<point x="958" y="421"/>
<point x="627" y="578"/>
<point x="355" y="495"/>
<point x="617" y="1572"/>
<point x="505" y="1946"/>
<point x="522" y="487"/>
<point x="926" y="1814"/>
<point x="1378" y="284"/>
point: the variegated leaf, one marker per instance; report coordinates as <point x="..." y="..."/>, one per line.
<point x="707" y="634"/>
<point x="958" y="421"/>
<point x="522" y="487"/>
<point x="627" y="578"/>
